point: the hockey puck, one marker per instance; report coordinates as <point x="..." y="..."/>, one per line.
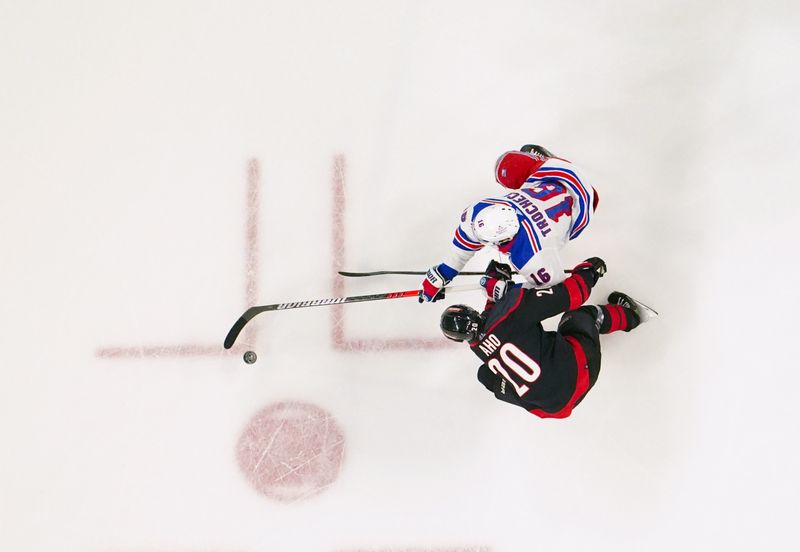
<point x="250" y="357"/>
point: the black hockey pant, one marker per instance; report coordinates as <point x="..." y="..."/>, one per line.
<point x="582" y="325"/>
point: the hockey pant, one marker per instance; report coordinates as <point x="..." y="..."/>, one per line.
<point x="582" y="325"/>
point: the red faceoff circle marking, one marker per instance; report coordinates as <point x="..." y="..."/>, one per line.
<point x="291" y="451"/>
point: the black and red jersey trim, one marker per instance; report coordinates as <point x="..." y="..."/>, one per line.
<point x="512" y="309"/>
<point x="581" y="385"/>
<point x="577" y="290"/>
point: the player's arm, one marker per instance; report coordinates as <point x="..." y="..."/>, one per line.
<point x="541" y="304"/>
<point x="462" y="249"/>
<point x="489" y="379"/>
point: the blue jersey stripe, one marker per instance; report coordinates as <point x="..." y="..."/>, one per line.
<point x="463" y="236"/>
<point x="461" y="241"/>
<point x="521" y="251"/>
<point x="464" y="247"/>
<point x="532" y="236"/>
<point x="572" y="180"/>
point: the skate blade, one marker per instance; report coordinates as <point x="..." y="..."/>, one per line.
<point x="645" y="313"/>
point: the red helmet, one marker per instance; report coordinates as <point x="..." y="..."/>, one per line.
<point x="514" y="167"/>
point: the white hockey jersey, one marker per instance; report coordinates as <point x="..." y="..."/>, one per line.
<point x="553" y="206"/>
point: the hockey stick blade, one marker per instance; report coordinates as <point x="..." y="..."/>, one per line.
<point x="251" y="313"/>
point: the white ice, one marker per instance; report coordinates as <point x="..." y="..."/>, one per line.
<point x="126" y="133"/>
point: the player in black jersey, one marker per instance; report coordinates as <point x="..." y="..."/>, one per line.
<point x="547" y="373"/>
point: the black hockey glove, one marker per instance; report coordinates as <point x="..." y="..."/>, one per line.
<point x="501" y="271"/>
<point x="497" y="280"/>
<point x="593" y="267"/>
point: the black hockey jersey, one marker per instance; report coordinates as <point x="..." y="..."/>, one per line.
<point x="544" y="372"/>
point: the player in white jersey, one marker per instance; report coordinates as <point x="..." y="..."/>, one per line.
<point x="550" y="205"/>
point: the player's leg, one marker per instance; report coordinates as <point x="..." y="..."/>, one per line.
<point x="583" y="324"/>
<point x="624" y="313"/>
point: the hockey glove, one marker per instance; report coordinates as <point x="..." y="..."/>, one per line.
<point x="497" y="280"/>
<point x="495" y="289"/>
<point x="501" y="271"/>
<point x="593" y="267"/>
<point x="432" y="286"/>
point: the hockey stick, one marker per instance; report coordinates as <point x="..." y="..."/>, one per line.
<point x="251" y="313"/>
<point x="408" y="272"/>
<point x="411" y="272"/>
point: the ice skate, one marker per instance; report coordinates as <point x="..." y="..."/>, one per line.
<point x="644" y="312"/>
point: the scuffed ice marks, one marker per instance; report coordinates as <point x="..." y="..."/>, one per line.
<point x="423" y="549"/>
<point x="290" y="451"/>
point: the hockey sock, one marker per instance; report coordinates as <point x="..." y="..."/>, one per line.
<point x="617" y="317"/>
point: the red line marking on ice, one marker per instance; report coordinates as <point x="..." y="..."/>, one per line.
<point x="251" y="242"/>
<point x="337" y="219"/>
<point x="480" y="548"/>
<point x="340" y="341"/>
<point x="156" y="351"/>
<point x="250" y="288"/>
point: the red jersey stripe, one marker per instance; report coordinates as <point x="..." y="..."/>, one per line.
<point x="574" y="291"/>
<point x="584" y="288"/>
<point x="467" y="244"/>
<point x="581" y="384"/>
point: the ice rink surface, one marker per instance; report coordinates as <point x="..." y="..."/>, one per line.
<point x="166" y="164"/>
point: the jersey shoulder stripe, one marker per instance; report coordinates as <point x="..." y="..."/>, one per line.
<point x="462" y="241"/>
<point x="533" y="238"/>
<point x="523" y="249"/>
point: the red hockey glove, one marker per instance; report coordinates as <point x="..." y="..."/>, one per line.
<point x="495" y="289"/>
<point x="432" y="286"/>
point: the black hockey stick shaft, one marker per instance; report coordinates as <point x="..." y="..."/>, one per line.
<point x="252" y="312"/>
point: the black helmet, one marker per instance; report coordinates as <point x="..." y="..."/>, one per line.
<point x="460" y="322"/>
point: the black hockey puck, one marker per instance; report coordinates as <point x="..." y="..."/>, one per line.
<point x="250" y="357"/>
